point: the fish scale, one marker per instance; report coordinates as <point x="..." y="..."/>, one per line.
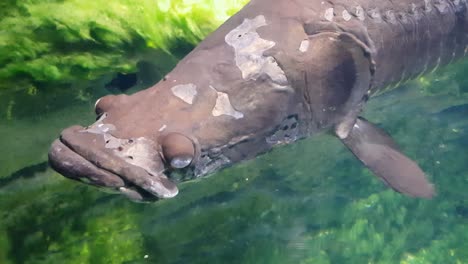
<point x="407" y="38"/>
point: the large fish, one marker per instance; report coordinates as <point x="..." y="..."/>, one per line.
<point x="276" y="72"/>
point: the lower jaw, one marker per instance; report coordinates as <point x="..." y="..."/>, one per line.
<point x="72" y="165"/>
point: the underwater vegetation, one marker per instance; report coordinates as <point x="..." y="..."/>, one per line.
<point x="55" y="41"/>
<point x="311" y="202"/>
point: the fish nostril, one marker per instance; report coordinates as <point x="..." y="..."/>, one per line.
<point x="103" y="104"/>
<point x="97" y="102"/>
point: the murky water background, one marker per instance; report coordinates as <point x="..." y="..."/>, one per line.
<point x="310" y="202"/>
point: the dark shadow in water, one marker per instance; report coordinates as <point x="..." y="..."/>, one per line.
<point x="453" y="112"/>
<point x="24" y="173"/>
<point x="122" y="82"/>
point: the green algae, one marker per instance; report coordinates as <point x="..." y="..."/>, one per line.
<point x="450" y="79"/>
<point x="35" y="217"/>
<point x="65" y="41"/>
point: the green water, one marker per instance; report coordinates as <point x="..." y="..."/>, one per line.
<point x="310" y="202"/>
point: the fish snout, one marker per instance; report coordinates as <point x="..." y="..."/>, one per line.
<point x="132" y="166"/>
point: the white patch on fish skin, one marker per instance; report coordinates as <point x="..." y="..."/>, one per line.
<point x="249" y="48"/>
<point x="140" y="152"/>
<point x="99" y="127"/>
<point x="186" y="92"/>
<point x="329" y="14"/>
<point x="441" y="6"/>
<point x="346" y="15"/>
<point x="403" y="18"/>
<point x="304" y="46"/>
<point x="223" y="106"/>
<point x="375" y="14"/>
<point x="163" y="127"/>
<point x="359" y="12"/>
<point x="342" y="131"/>
<point x="143" y="152"/>
<point x="111" y="141"/>
<point x="415" y="12"/>
<point x="390" y="17"/>
<point x="427" y="6"/>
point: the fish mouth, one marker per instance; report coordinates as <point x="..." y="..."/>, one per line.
<point x="80" y="155"/>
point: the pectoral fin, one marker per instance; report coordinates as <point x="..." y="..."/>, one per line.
<point x="377" y="150"/>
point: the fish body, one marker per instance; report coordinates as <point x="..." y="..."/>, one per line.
<point x="276" y="72"/>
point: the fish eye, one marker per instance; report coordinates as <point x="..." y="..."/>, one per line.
<point x="178" y="150"/>
<point x="181" y="162"/>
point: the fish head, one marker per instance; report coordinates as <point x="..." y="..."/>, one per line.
<point x="228" y="100"/>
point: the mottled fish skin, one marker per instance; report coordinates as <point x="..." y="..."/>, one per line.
<point x="276" y="72"/>
<point x="404" y="38"/>
<point x="409" y="37"/>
